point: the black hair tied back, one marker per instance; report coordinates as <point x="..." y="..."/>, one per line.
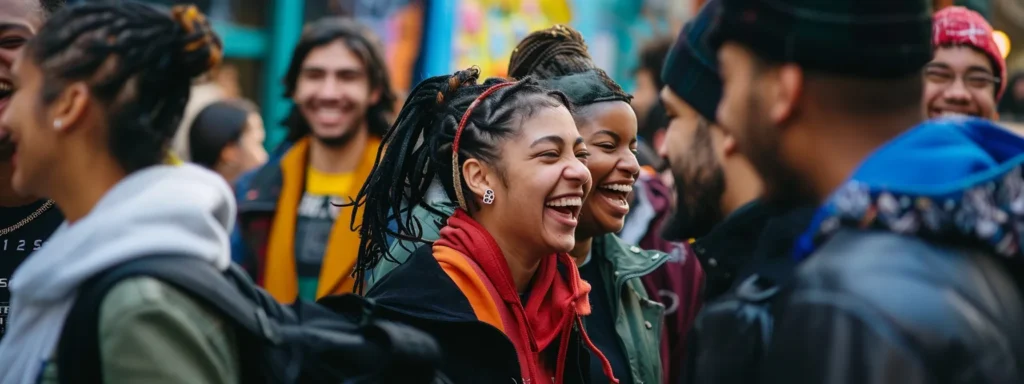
<point x="201" y="48"/>
<point x="138" y="62"/>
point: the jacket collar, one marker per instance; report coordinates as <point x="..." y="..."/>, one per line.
<point x="263" y="191"/>
<point x="720" y="246"/>
<point x="626" y="259"/>
<point x="972" y="194"/>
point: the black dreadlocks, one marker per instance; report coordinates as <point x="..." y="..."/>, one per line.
<point x="138" y="62"/>
<point x="419" y="149"/>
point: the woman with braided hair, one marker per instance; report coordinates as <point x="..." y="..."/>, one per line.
<point x="99" y="94"/>
<point x="629" y="284"/>
<point x="498" y="289"/>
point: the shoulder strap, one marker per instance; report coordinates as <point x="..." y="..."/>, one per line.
<point x="78" y="355"/>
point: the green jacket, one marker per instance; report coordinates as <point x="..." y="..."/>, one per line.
<point x="152" y="333"/>
<point x="638" y="320"/>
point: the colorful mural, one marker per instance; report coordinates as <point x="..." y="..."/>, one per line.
<point x="398" y="24"/>
<point x="487" y="30"/>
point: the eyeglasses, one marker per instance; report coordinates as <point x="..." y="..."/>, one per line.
<point x="979" y="81"/>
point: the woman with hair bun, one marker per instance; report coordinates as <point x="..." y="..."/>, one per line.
<point x="227" y="137"/>
<point x="99" y="94"/>
<point x="633" y="289"/>
<point x="497" y="289"/>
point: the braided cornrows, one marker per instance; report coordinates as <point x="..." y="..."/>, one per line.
<point x="557" y="51"/>
<point x="137" y="61"/>
<point x="419" y="151"/>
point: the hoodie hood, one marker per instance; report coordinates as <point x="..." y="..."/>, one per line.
<point x="183" y="211"/>
<point x="948" y="180"/>
<point x="177" y="210"/>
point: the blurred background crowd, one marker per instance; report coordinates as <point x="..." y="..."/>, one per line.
<point x="430" y="37"/>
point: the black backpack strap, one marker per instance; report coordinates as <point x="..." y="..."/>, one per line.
<point x="78" y="354"/>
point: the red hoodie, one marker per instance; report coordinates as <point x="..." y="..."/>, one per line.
<point x="556" y="300"/>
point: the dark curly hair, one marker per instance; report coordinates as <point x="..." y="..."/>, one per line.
<point x="138" y="62"/>
<point x="361" y="42"/>
<point x="652" y="58"/>
<point x="419" y="150"/>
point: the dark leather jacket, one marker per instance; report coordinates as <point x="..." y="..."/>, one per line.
<point x="751" y="255"/>
<point x="878" y="307"/>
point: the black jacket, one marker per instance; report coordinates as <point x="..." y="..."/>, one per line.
<point x="738" y="247"/>
<point x="877" y="307"/>
<point x="751" y="255"/>
<point x="420" y="293"/>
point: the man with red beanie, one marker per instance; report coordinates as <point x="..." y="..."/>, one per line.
<point x="967" y="75"/>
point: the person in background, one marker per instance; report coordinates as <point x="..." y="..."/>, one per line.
<point x="626" y="323"/>
<point x="1011" y="107"/>
<point x="651" y="201"/>
<point x="91" y="127"/>
<point x="498" y="289"/>
<point x="227" y="137"/>
<point x="967" y="74"/>
<point x="295" y="231"/>
<point x="647" y="77"/>
<point x="26" y="222"/>
<point x="911" y="269"/>
<point x="651" y="123"/>
<point x="202" y="94"/>
<point x="652" y="195"/>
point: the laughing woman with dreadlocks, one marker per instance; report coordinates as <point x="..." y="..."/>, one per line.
<point x="100" y="92"/>
<point x="626" y="323"/>
<point x="498" y="289"/>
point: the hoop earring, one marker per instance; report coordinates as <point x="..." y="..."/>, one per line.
<point x="489" y="196"/>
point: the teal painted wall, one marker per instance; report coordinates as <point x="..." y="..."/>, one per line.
<point x="273" y="47"/>
<point x="285" y="29"/>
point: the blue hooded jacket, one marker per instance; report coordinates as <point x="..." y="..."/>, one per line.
<point x="947" y="180"/>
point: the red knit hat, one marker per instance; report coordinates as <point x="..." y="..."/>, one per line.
<point x="962" y="26"/>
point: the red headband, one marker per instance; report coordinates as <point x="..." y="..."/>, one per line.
<point x="456" y="175"/>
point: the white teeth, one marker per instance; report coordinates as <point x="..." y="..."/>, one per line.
<point x="953" y="114"/>
<point x="6" y="87"/>
<point x="328" y="113"/>
<point x="566" y="202"/>
<point x="627" y="188"/>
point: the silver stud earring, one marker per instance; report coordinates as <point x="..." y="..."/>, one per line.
<point x="489" y="196"/>
<point x="58" y="124"/>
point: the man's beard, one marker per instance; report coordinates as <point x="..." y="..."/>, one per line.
<point x="342" y="139"/>
<point x="698" y="205"/>
<point x="700" y="185"/>
<point x="761" y="144"/>
<point x="6" y="150"/>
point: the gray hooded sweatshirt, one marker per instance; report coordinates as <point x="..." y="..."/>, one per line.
<point x="167" y="210"/>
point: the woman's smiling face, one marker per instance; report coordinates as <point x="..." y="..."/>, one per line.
<point x="609" y="129"/>
<point x="539" y="184"/>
